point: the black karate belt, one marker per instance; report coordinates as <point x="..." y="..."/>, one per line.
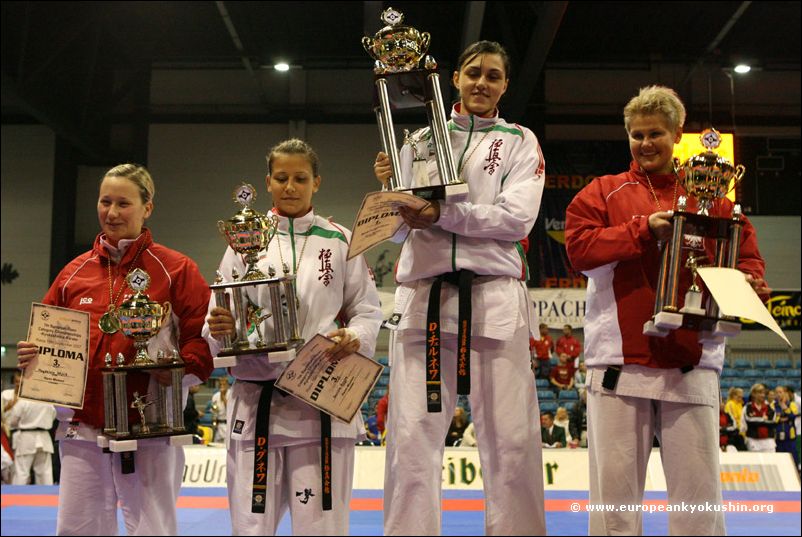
<point x="127" y="465"/>
<point x="259" y="488"/>
<point x="30" y="430"/>
<point x="463" y="279"/>
<point x="325" y="459"/>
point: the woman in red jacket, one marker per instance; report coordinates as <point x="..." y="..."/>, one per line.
<point x="639" y="386"/>
<point x="93" y="482"/>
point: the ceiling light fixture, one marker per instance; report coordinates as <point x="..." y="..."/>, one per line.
<point x="742" y="68"/>
<point x="281" y="66"/>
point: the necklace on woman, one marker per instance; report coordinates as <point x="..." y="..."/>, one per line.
<point x="297" y="262"/>
<point x="109" y="322"/>
<point x="465" y="162"/>
<point x="654" y="194"/>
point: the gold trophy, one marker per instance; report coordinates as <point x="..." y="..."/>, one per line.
<point x="399" y="83"/>
<point x="141" y="319"/>
<point x="247" y="233"/>
<point x="706" y="177"/>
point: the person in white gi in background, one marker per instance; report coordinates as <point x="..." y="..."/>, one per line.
<point x="30" y="423"/>
<point x="484" y="236"/>
<point x="337" y="298"/>
<point x="218" y="406"/>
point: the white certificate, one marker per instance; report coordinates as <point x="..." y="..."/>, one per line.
<point x="736" y="298"/>
<point x="57" y="374"/>
<point x="336" y="388"/>
<point x="378" y="219"/>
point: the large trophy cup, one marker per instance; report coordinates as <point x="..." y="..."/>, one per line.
<point x="707" y="177"/>
<point x="400" y="83"/>
<point x="141" y="319"/>
<point x="247" y="233"/>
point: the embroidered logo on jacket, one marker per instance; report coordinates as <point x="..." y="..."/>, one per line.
<point x="238" y="425"/>
<point x="86" y="300"/>
<point x="493" y="158"/>
<point x="327" y="273"/>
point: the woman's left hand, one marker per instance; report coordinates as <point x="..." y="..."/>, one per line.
<point x="346" y="342"/>
<point x="759" y="285"/>
<point x="420" y="218"/>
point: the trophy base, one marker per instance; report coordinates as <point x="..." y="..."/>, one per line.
<point x="649" y="329"/>
<point x="452" y="193"/>
<point x="130" y="442"/>
<point x="666" y="320"/>
<point x="275" y="354"/>
<point x="726" y="329"/>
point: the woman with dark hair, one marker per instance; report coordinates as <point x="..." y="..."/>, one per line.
<point x="478" y="248"/>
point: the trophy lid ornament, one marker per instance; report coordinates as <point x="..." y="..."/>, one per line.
<point x="396" y="47"/>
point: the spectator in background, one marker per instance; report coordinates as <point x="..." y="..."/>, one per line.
<point x="734" y="408"/>
<point x="760" y="421"/>
<point x="218" y="405"/>
<point x="579" y="377"/>
<point x="561" y="419"/>
<point x="729" y="434"/>
<point x="469" y="436"/>
<point x="569" y="345"/>
<point x="786" y="411"/>
<point x="544" y="348"/>
<point x="792" y="396"/>
<point x="30" y="423"/>
<point x="458" y="424"/>
<point x="578" y="424"/>
<point x="192" y="414"/>
<point x="553" y="436"/>
<point x="372" y="432"/>
<point x="562" y="375"/>
<point x="771" y="396"/>
<point x="381" y="411"/>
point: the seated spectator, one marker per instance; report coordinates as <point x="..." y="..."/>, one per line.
<point x="786" y="411"/>
<point x="561" y="419"/>
<point x="760" y="421"/>
<point x="458" y="424"/>
<point x="734" y="408"/>
<point x="579" y="378"/>
<point x="562" y="375"/>
<point x="469" y="436"/>
<point x="578" y="423"/>
<point x="552" y="436"/>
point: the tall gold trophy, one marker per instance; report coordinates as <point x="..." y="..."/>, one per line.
<point x="400" y="83"/>
<point x="706" y="177"/>
<point x="161" y="411"/>
<point x="257" y="332"/>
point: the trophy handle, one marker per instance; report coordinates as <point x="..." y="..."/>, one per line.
<point x="221" y="227"/>
<point x="168" y="308"/>
<point x="424" y="45"/>
<point x="740" y="169"/>
<point x="367" y="44"/>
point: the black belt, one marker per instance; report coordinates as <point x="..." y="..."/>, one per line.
<point x="31" y="429"/>
<point x="463" y="279"/>
<point x="259" y="488"/>
<point x="221" y="421"/>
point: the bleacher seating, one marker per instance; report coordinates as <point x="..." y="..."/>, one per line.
<point x="542" y="384"/>
<point x="568" y="395"/>
<point x="548" y="406"/>
<point x="545" y="395"/>
<point x="742" y="363"/>
<point x="783" y="363"/>
<point x="763" y="363"/>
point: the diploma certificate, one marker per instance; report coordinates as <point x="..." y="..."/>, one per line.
<point x="57" y="374"/>
<point x="336" y="388"/>
<point x="378" y="219"/>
